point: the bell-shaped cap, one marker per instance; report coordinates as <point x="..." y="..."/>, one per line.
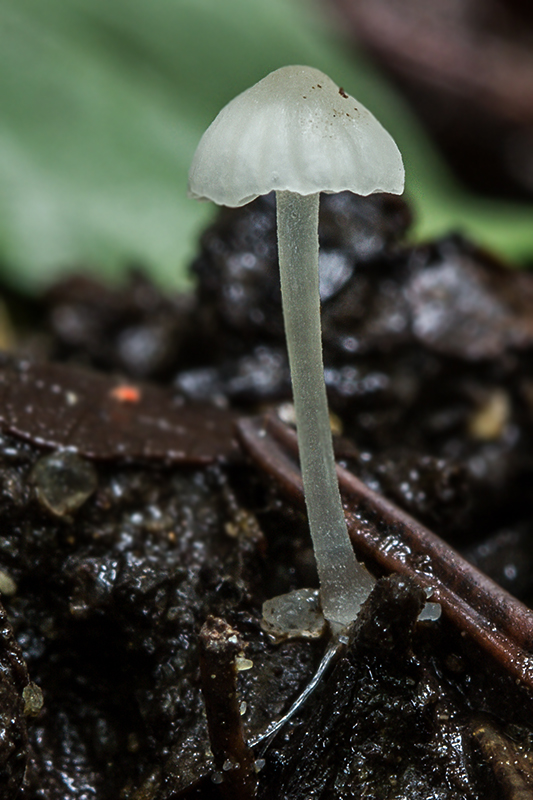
<point x="297" y="131"/>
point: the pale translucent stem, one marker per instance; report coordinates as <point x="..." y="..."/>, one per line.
<point x="344" y="583"/>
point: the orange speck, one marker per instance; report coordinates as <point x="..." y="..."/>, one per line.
<point x="125" y="394"/>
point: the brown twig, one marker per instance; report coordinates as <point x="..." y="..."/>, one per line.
<point x="511" y="765"/>
<point x="219" y="647"/>
<point x="388" y="540"/>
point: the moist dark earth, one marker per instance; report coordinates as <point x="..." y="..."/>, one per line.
<point x="131" y="518"/>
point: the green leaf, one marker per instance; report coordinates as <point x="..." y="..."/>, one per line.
<point x="102" y="103"/>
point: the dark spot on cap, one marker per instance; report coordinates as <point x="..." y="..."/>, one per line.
<point x="342" y="92"/>
<point x="319" y="85"/>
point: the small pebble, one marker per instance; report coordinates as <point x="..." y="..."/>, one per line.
<point x="33" y="699"/>
<point x="8" y="587"/>
<point x="242" y="664"/>
<point x="64" y="481"/>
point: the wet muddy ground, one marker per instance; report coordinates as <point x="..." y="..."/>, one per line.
<point x="143" y="525"/>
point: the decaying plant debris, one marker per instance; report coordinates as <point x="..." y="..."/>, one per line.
<point x="132" y="520"/>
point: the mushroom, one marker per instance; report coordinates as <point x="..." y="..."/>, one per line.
<point x="298" y="133"/>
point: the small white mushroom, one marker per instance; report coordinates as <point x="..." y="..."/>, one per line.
<point x="298" y="133"/>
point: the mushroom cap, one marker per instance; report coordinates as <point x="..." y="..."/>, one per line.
<point x="297" y="131"/>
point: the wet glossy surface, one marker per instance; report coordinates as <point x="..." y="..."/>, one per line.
<point x="435" y="406"/>
<point x="103" y="418"/>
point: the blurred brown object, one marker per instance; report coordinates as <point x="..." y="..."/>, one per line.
<point x="7" y="333"/>
<point x="466" y="66"/>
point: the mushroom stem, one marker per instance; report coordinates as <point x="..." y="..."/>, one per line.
<point x="343" y="581"/>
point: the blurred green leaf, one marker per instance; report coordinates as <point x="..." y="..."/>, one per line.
<point x="102" y="103"/>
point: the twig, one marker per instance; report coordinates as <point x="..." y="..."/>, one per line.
<point x="219" y="646"/>
<point x="388" y="540"/>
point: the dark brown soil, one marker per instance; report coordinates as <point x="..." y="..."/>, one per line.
<point x="130" y="518"/>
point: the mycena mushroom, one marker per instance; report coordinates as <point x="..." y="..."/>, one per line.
<point x="297" y="133"/>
